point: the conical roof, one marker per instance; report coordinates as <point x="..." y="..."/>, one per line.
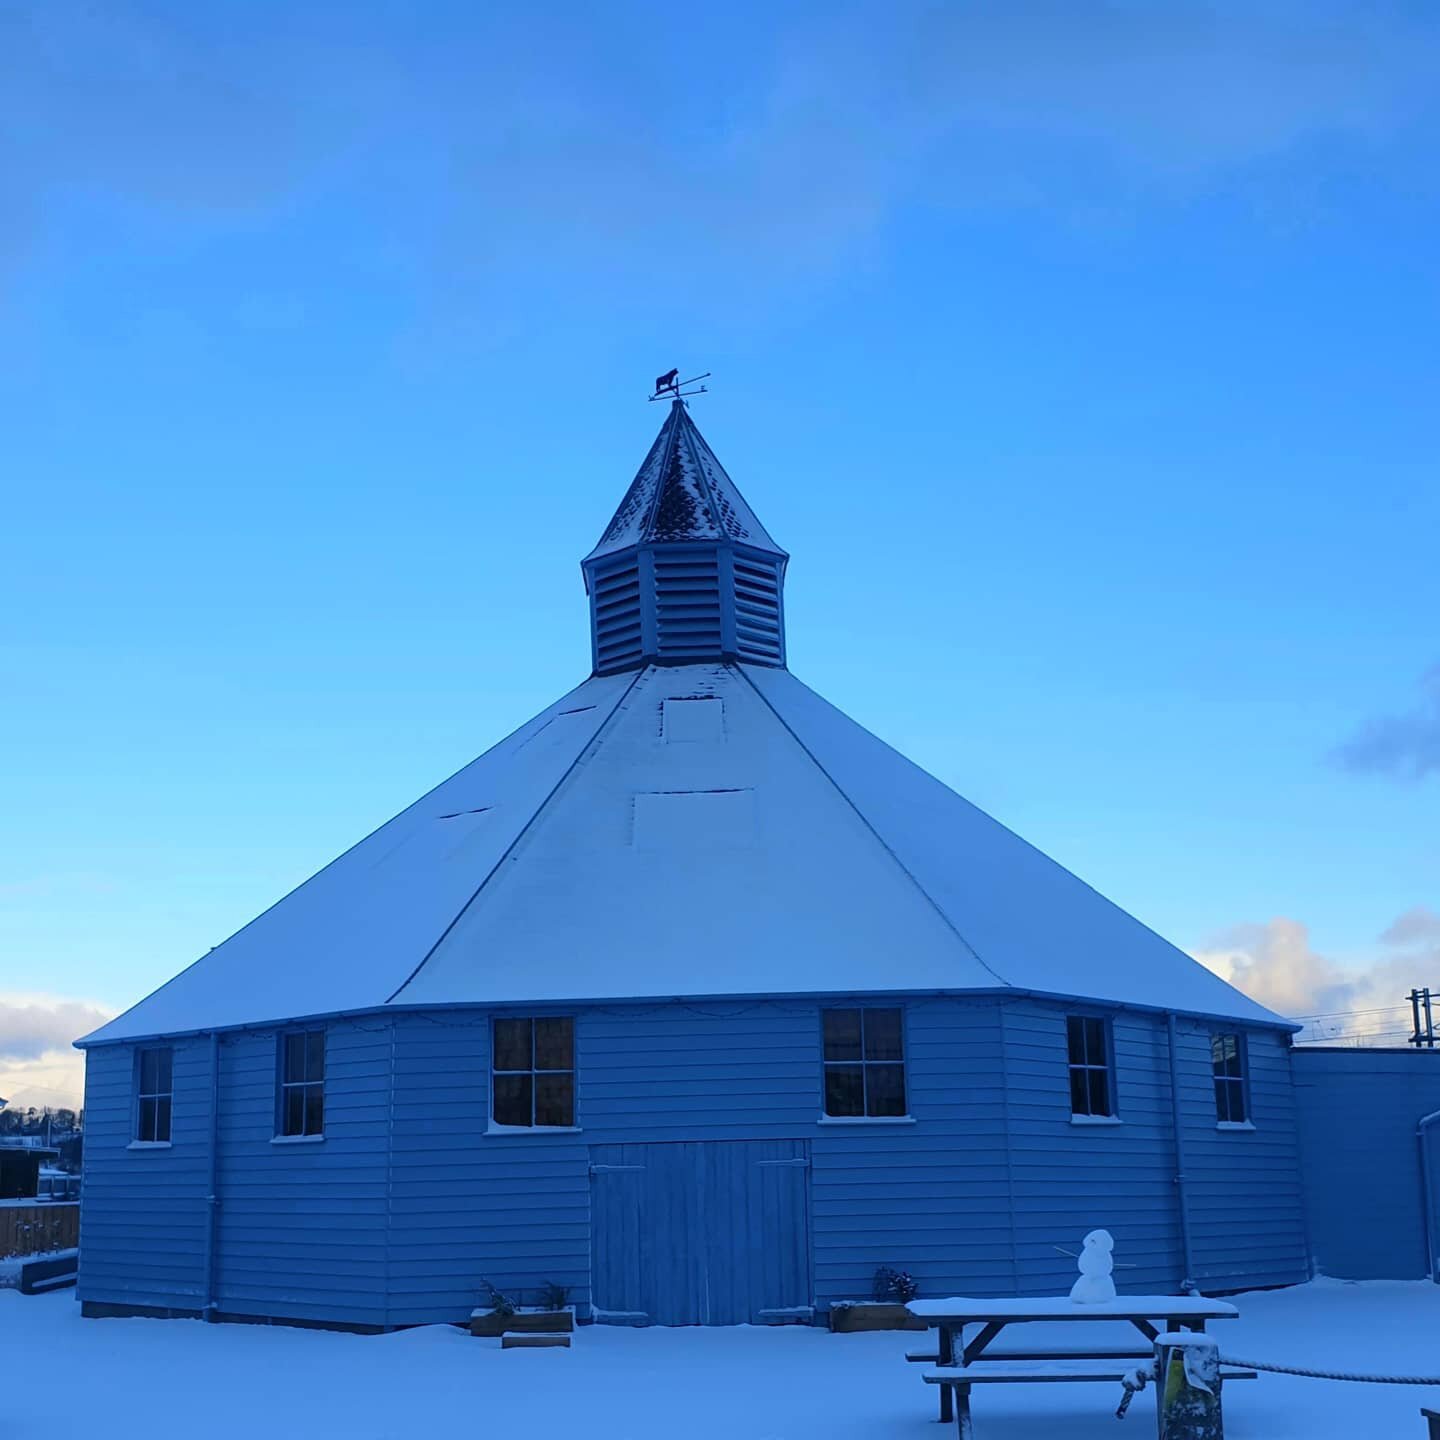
<point x="682" y="493"/>
<point x="704" y="826"/>
<point x="707" y="830"/>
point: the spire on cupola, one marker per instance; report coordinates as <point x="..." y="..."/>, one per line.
<point x="684" y="572"/>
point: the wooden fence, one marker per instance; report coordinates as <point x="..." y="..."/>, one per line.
<point x="33" y="1229"/>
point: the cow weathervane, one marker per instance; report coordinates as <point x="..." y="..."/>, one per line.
<point x="670" y="386"/>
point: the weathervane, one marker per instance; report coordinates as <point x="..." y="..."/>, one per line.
<point x="670" y="386"/>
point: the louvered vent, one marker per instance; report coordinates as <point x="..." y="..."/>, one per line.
<point x="685" y="573"/>
<point x="687" y="605"/>
<point x="615" y="614"/>
<point x="759" y="635"/>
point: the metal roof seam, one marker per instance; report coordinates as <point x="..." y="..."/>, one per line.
<point x="587" y="750"/>
<point x="865" y="820"/>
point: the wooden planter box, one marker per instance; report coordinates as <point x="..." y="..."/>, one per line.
<point x="873" y="1315"/>
<point x="523" y="1322"/>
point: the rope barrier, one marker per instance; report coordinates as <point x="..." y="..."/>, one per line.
<point x="1136" y="1381"/>
<point x="1332" y="1374"/>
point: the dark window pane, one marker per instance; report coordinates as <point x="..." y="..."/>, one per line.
<point x="884" y="1089"/>
<point x="1222" y="1100"/>
<point x="315" y="1055"/>
<point x="294" y="1067"/>
<point x="162" y="1118"/>
<point x="146" y="1122"/>
<point x="554" y="1044"/>
<point x="1238" y="1110"/>
<point x="512" y="1046"/>
<point x="842" y="1035"/>
<point x="314" y="1109"/>
<point x="554" y="1099"/>
<point x="1079" y="1093"/>
<point x="1225" y="1055"/>
<point x="292" y="1120"/>
<point x="1100" y="1092"/>
<point x="882" y="1035"/>
<point x="149" y="1071"/>
<point x="165" y="1066"/>
<point x="1096" y="1050"/>
<point x="513" y="1100"/>
<point x="1075" y="1039"/>
<point x="844" y="1090"/>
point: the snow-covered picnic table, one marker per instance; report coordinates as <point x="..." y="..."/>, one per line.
<point x="1149" y="1314"/>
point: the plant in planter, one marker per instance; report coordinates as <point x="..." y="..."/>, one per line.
<point x="504" y="1317"/>
<point x="553" y="1296"/>
<point x="893" y="1289"/>
<point x="895" y="1286"/>
<point x="500" y="1302"/>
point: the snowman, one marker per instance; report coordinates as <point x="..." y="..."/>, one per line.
<point x="1095" y="1285"/>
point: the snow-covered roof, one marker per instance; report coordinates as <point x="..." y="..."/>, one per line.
<point x="681" y="493"/>
<point x="695" y="829"/>
<point x="703" y="830"/>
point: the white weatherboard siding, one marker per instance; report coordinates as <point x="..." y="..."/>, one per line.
<point x="594" y="855"/>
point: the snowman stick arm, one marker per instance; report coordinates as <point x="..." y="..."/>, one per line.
<point x="1075" y="1255"/>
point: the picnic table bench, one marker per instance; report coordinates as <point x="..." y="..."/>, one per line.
<point x="974" y="1362"/>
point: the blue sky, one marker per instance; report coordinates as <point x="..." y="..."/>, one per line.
<point x="1082" y="355"/>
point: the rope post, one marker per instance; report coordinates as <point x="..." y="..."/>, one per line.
<point x="1187" y="1395"/>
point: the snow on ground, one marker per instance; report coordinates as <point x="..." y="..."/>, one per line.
<point x="161" y="1378"/>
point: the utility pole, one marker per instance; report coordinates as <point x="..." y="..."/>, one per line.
<point x="1424" y="1019"/>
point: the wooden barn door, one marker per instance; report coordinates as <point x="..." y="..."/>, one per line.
<point x="701" y="1233"/>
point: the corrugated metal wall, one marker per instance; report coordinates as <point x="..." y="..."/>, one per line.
<point x="1359" y="1110"/>
<point x="408" y="1204"/>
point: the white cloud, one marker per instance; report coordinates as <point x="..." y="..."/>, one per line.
<point x="38" y="1065"/>
<point x="1275" y="963"/>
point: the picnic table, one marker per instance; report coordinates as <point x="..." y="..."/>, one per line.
<point x="1149" y="1314"/>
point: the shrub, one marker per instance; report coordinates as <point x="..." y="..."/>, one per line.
<point x="897" y="1286"/>
<point x="500" y="1302"/>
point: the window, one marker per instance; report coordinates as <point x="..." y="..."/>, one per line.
<point x="533" y="1079"/>
<point x="1227" y="1060"/>
<point x="864" y="1063"/>
<point x="1092" y="1091"/>
<point x="154" y="1093"/>
<point x="302" y="1082"/>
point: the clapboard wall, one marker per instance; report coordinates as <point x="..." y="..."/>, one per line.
<point x="409" y="1202"/>
<point x="143" y="1213"/>
<point x="1359" y="1112"/>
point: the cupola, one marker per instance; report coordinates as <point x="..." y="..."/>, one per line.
<point x="685" y="572"/>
